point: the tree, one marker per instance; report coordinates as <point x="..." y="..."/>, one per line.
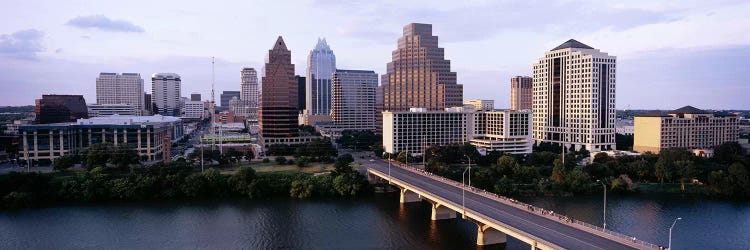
<point x="728" y="152"/>
<point x="578" y="181"/>
<point x="122" y="156"/>
<point x="64" y="162"/>
<point x="686" y="171"/>
<point x="348" y="184"/>
<point x="302" y="187"/>
<point x="243" y="182"/>
<point x="343" y="164"/>
<point x="302" y="161"/>
<point x="558" y="172"/>
<point x="280" y="160"/>
<point x="602" y="158"/>
<point x="663" y="170"/>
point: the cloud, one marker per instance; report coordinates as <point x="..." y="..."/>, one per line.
<point x="22" y="44"/>
<point x="104" y="23"/>
<point x="86" y="37"/>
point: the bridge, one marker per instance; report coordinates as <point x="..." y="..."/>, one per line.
<point x="496" y="216"/>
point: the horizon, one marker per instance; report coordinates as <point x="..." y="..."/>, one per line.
<point x="654" y="43"/>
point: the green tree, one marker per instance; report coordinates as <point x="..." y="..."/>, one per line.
<point x="243" y="182"/>
<point x="302" y="161"/>
<point x="280" y="160"/>
<point x="348" y="184"/>
<point x="577" y="181"/>
<point x="302" y="187"/>
<point x="558" y="172"/>
<point x="686" y="170"/>
<point x="728" y="152"/>
<point x="64" y="162"/>
<point x="343" y="164"/>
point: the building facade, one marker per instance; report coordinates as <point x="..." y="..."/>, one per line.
<point x="195" y="97"/>
<point x="226" y="96"/>
<point x="481" y="105"/>
<point x="96" y="110"/>
<point x="353" y="102"/>
<point x="194" y="110"/>
<point x="249" y="86"/>
<point x="148" y="135"/>
<point x="60" y="108"/>
<point x="413" y="131"/>
<point x="419" y="75"/>
<point x="573" y="97"/>
<point x="688" y="127"/>
<point x="166" y="93"/>
<point x="278" y="102"/>
<point x="302" y="90"/>
<point x="125" y="88"/>
<point x="321" y="63"/>
<point x="521" y="92"/>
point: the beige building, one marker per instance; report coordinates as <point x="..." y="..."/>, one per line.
<point x="482" y="105"/>
<point x="573" y="97"/>
<point x="687" y="127"/>
<point x="412" y="131"/>
<point x="520" y="92"/>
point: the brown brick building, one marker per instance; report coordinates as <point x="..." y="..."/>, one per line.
<point x="278" y="101"/>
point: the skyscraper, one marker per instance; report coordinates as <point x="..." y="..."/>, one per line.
<point x="278" y="100"/>
<point x="419" y="76"/>
<point x="574" y="97"/>
<point x="301" y="89"/>
<point x="353" y="102"/>
<point x="112" y="88"/>
<point x="226" y="96"/>
<point x="60" y="108"/>
<point x="249" y="85"/>
<point x="166" y="93"/>
<point x="520" y="92"/>
<point x="321" y="62"/>
<point x="195" y="97"/>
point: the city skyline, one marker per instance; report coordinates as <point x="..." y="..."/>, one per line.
<point x="135" y="40"/>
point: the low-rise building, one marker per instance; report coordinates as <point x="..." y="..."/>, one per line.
<point x="96" y="110"/>
<point x="194" y="110"/>
<point x="481" y="105"/>
<point x="414" y="130"/>
<point x="686" y="127"/>
<point x="149" y="136"/>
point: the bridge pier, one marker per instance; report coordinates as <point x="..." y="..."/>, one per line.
<point x="409" y="196"/>
<point x="487" y="235"/>
<point x="440" y="212"/>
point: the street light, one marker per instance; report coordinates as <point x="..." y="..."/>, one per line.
<point x="604" y="187"/>
<point x="467" y="157"/>
<point x="670" y="232"/>
<point x="463" y="192"/>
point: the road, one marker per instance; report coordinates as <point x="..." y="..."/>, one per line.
<point x="549" y="230"/>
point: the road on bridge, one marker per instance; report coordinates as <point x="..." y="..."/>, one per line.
<point x="555" y="232"/>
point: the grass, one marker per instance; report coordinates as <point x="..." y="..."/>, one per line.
<point x="260" y="167"/>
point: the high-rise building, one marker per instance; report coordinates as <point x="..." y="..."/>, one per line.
<point x="166" y="93"/>
<point x="249" y="85"/>
<point x="301" y="89"/>
<point x="481" y="105"/>
<point x="574" y="97"/>
<point x="194" y="110"/>
<point x="686" y="127"/>
<point x="127" y="88"/>
<point x="419" y="76"/>
<point x="520" y="92"/>
<point x="321" y="62"/>
<point x="353" y="102"/>
<point x="278" y="101"/>
<point x="226" y="96"/>
<point x="147" y="104"/>
<point x="60" y="108"/>
<point x="195" y="97"/>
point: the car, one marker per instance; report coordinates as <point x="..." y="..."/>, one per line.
<point x="371" y="160"/>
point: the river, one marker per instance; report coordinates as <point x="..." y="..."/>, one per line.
<point x="377" y="222"/>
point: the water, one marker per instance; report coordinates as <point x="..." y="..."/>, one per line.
<point x="378" y="222"/>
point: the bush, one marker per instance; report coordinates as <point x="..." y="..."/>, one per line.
<point x="281" y="160"/>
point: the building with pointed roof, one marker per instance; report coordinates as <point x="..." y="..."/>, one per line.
<point x="321" y="63"/>
<point x="278" y="100"/>
<point x="687" y="127"/>
<point x="573" y="97"/>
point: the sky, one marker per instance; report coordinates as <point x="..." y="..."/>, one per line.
<point x="670" y="53"/>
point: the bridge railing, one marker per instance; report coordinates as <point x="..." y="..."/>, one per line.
<point x="533" y="209"/>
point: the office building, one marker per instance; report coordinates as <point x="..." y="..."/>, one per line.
<point x="166" y="93"/>
<point x="413" y="131"/>
<point x="353" y="101"/>
<point x="195" y="97"/>
<point x="301" y="89"/>
<point x="148" y="104"/>
<point x="419" y="75"/>
<point x="226" y="96"/>
<point x="249" y="86"/>
<point x="96" y="110"/>
<point x="481" y="105"/>
<point x="278" y="102"/>
<point x="574" y="97"/>
<point x="520" y="92"/>
<point x="243" y="108"/>
<point x="150" y="136"/>
<point x="686" y="127"/>
<point x="321" y="63"/>
<point x="194" y="110"/>
<point x="127" y="88"/>
<point x="60" y="108"/>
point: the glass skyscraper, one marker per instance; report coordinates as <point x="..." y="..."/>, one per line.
<point x="321" y="63"/>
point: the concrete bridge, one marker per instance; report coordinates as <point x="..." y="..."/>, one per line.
<point x="498" y="217"/>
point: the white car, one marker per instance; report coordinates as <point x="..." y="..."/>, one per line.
<point x="371" y="160"/>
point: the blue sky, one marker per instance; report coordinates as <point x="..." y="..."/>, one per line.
<point x="670" y="53"/>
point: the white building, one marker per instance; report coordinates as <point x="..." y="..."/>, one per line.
<point x="506" y="131"/>
<point x="166" y="93"/>
<point x="111" y="109"/>
<point x="624" y="127"/>
<point x="127" y="88"/>
<point x="353" y="103"/>
<point x="249" y="86"/>
<point x="194" y="110"/>
<point x="481" y="105"/>
<point x="574" y="97"/>
<point x="321" y="63"/>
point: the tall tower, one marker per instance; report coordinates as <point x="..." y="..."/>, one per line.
<point x="353" y="103"/>
<point x="574" y="97"/>
<point x="278" y="100"/>
<point x="249" y="85"/>
<point x="166" y="93"/>
<point x="321" y="63"/>
<point x="419" y="76"/>
<point x="520" y="92"/>
<point x="127" y="88"/>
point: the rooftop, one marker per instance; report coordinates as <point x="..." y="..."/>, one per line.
<point x="688" y="110"/>
<point x="572" y="43"/>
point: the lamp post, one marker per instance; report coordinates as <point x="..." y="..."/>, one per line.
<point x="463" y="192"/>
<point x="670" y="232"/>
<point x="604" y="187"/>
<point x="389" y="168"/>
<point x="467" y="157"/>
